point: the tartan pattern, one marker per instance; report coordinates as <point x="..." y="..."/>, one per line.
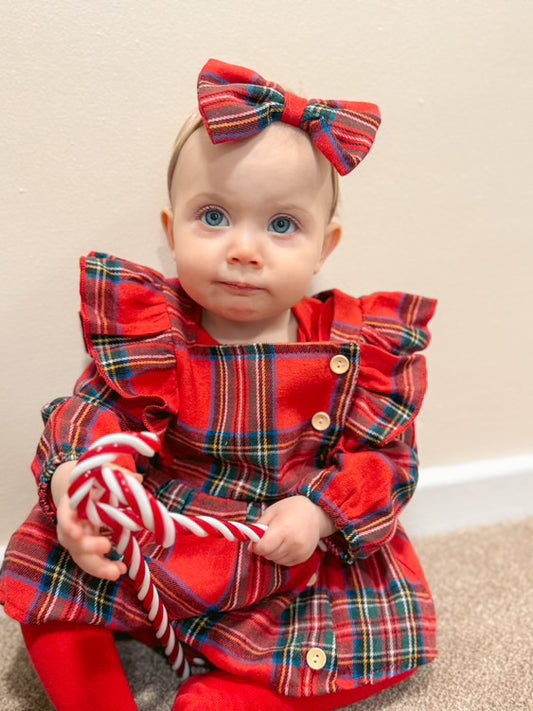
<point x="246" y="433"/>
<point x="367" y="525"/>
<point x="59" y="581"/>
<point x="237" y="103"/>
<point x="235" y="423"/>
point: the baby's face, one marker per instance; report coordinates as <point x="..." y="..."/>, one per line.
<point x="249" y="224"/>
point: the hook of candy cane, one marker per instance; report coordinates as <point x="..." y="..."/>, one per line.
<point x="122" y="504"/>
<point x="93" y="470"/>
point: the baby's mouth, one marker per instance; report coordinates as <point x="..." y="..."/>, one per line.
<point x="241" y="287"/>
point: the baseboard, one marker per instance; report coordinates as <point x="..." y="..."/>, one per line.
<point x="470" y="494"/>
<point x="465" y="495"/>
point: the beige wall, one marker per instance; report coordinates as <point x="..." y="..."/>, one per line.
<point x="93" y="93"/>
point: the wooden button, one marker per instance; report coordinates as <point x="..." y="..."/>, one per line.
<point x="321" y="421"/>
<point x="339" y="364"/>
<point x="316" y="658"/>
<point x="312" y="580"/>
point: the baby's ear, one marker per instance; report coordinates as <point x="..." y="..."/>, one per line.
<point x="332" y="237"/>
<point x="166" y="221"/>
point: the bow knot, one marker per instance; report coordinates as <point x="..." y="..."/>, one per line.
<point x="237" y="103"/>
<point x="295" y="107"/>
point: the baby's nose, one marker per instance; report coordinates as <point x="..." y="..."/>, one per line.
<point x="244" y="248"/>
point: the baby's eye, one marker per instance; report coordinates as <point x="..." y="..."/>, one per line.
<point x="282" y="225"/>
<point x="214" y="218"/>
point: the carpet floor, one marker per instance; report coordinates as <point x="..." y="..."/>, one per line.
<point x="482" y="580"/>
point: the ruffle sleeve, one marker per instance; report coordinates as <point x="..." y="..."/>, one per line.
<point x="392" y="378"/>
<point x="127" y="331"/>
<point x="372" y="471"/>
<point x="131" y="383"/>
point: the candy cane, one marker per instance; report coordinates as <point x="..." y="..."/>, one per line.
<point x="108" y="497"/>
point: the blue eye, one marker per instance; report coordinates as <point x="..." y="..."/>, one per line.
<point x="282" y="225"/>
<point x="214" y="218"/>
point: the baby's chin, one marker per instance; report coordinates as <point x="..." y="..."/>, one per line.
<point x="247" y="325"/>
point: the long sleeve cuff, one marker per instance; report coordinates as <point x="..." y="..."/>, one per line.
<point x="363" y="495"/>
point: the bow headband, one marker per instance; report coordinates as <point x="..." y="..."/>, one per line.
<point x="237" y="103"/>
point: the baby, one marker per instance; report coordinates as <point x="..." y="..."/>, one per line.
<point x="293" y="411"/>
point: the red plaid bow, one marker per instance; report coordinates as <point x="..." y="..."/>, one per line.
<point x="237" y="103"/>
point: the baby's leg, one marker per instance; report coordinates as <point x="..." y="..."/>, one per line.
<point x="220" y="691"/>
<point x="79" y="667"/>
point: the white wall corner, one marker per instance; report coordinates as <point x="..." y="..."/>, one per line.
<point x="471" y="494"/>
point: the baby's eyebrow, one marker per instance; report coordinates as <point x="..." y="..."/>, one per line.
<point x="206" y="197"/>
<point x="199" y="200"/>
<point x="291" y="207"/>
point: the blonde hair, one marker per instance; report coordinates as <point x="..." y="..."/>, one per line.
<point x="191" y="124"/>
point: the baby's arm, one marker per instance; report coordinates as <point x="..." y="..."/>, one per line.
<point x="80" y="537"/>
<point x="295" y="526"/>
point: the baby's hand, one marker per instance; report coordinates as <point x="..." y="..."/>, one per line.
<point x="86" y="546"/>
<point x="295" y="525"/>
<point x="84" y="542"/>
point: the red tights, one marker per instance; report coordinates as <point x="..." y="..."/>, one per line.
<point x="220" y="691"/>
<point x="80" y="669"/>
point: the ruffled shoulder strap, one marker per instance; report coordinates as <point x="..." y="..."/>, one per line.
<point x="392" y="378"/>
<point x="397" y="321"/>
<point x="127" y="327"/>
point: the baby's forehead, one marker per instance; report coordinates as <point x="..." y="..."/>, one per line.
<point x="284" y="134"/>
<point x="289" y="147"/>
<point x="281" y="159"/>
<point x="286" y="142"/>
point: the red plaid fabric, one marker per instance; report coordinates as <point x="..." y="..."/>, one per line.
<point x="236" y="424"/>
<point x="237" y="103"/>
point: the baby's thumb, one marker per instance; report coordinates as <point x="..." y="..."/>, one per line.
<point x="265" y="519"/>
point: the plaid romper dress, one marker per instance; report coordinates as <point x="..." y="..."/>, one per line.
<point x="329" y="417"/>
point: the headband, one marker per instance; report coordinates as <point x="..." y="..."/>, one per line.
<point x="237" y="103"/>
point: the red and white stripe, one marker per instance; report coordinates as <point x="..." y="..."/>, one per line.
<point x="110" y="498"/>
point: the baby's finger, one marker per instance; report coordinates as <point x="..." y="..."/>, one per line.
<point x="95" y="544"/>
<point x="99" y="566"/>
<point x="287" y="559"/>
<point x="111" y="570"/>
<point x="114" y="568"/>
<point x="88" y="528"/>
<point x="70" y="527"/>
<point x="268" y="545"/>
